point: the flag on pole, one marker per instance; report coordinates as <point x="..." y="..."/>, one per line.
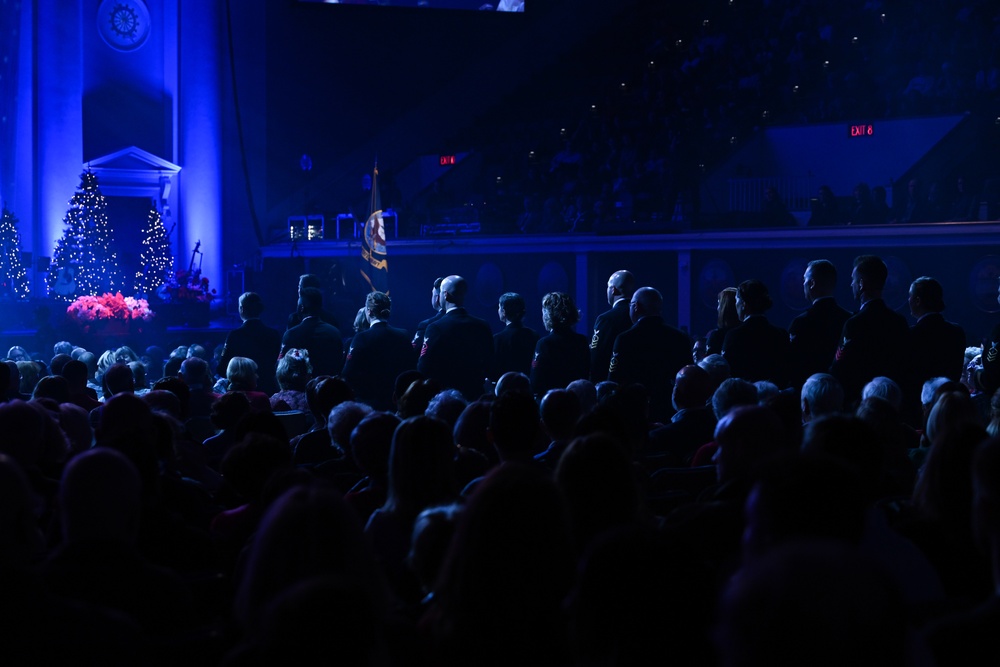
<point x="374" y="266"/>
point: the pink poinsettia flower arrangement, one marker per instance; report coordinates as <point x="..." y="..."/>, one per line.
<point x="87" y="309"/>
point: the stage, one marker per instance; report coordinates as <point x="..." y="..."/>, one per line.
<point x="689" y="268"/>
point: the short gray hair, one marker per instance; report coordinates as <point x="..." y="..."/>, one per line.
<point x="824" y="393"/>
<point x="884" y="388"/>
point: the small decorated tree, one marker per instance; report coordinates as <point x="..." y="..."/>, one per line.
<point x="83" y="262"/>
<point x="13" y="274"/>
<point x="155" y="261"/>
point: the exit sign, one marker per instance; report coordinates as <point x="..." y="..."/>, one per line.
<point x="863" y="130"/>
<point x="446" y="160"/>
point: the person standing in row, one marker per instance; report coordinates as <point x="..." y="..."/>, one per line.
<point x="458" y="349"/>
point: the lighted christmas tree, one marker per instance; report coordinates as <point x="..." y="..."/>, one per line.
<point x="155" y="261"/>
<point x="83" y="262"/>
<point x="13" y="275"/>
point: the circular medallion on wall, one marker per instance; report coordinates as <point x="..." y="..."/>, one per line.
<point x="552" y="277"/>
<point x="897" y="287"/>
<point x="123" y="24"/>
<point x="489" y="284"/>
<point x="791" y="289"/>
<point x="715" y="276"/>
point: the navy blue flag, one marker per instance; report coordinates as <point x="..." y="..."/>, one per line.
<point x="374" y="266"/>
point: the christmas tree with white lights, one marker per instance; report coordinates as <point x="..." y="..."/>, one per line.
<point x="155" y="261"/>
<point x="83" y="262"/>
<point x="13" y="275"/>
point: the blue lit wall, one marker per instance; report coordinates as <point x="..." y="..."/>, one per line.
<point x="79" y="99"/>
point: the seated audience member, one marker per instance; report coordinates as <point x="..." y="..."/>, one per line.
<point x="447" y="406"/>
<point x="293" y="372"/>
<point x="153" y="359"/>
<point x="75" y="423"/>
<point x="309" y="540"/>
<point x="58" y="362"/>
<point x="323" y="394"/>
<point x="402" y="383"/>
<point x="226" y="414"/>
<point x="421" y="474"/>
<point x="54" y="387"/>
<point x="731" y="394"/>
<point x="897" y="440"/>
<point x="31" y="437"/>
<point x="513" y="381"/>
<point x="584" y="461"/>
<point x="139" y="376"/>
<point x="886" y="389"/>
<point x="821" y="395"/>
<point x="337" y="460"/>
<point x="171" y="385"/>
<point x="172" y="365"/>
<point x="559" y="410"/>
<point x="242" y="376"/>
<point x="371" y="442"/>
<point x="941" y="523"/>
<point x="117" y="379"/>
<point x="29" y="374"/>
<point x="198" y="378"/>
<point x="718" y="369"/>
<point x="825" y="211"/>
<point x="414" y="402"/>
<point x="247" y="466"/>
<point x="98" y="561"/>
<point x="692" y="425"/>
<point x="506" y="575"/>
<point x="968" y="636"/>
<point x="816" y="598"/>
<point x="514" y="427"/>
<point x="472" y="439"/>
<point x="433" y="531"/>
<point x="586" y="392"/>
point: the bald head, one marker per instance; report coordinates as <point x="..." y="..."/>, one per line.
<point x="453" y="290"/>
<point x="621" y="285"/>
<point x="692" y="388"/>
<point x="646" y="301"/>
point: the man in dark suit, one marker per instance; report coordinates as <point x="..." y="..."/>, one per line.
<point x="322" y="340"/>
<point x="607" y="326"/>
<point x="650" y="353"/>
<point x="418" y="336"/>
<point x="938" y="346"/>
<point x="875" y="341"/>
<point x="513" y="347"/>
<point x="310" y="280"/>
<point x="254" y="340"/>
<point x="458" y="349"/>
<point x="814" y="334"/>
<point x="377" y="355"/>
<point x="756" y="349"/>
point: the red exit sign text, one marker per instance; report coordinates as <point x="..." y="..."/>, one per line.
<point x="446" y="160"/>
<point x="864" y="130"/>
